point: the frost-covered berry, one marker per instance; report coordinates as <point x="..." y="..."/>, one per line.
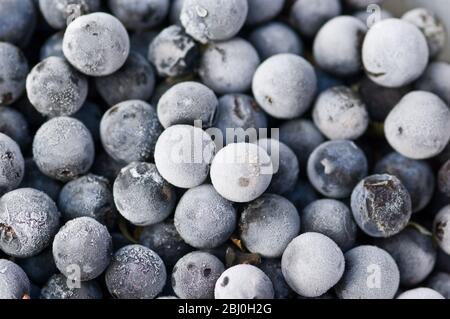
<point x="129" y="131"/>
<point x="260" y="11"/>
<point x="331" y="218"/>
<point x="335" y="167"/>
<point x="63" y="148"/>
<point x="441" y="229"/>
<point x="337" y="46"/>
<point x="229" y="66"/>
<point x="55" y="88"/>
<point x="203" y="218"/>
<point x="28" y="221"/>
<point x="419" y="126"/>
<point x="285" y="165"/>
<point x="312" y="264"/>
<point x="135" y="80"/>
<point x="17" y="21"/>
<point x="11" y="164"/>
<point x="435" y="80"/>
<point x="173" y="52"/>
<point x="15" y="125"/>
<point x="444" y="179"/>
<point x="395" y="53"/>
<point x="52" y="46"/>
<point x="370" y="273"/>
<point x="275" y="38"/>
<point x="416" y="176"/>
<point x="339" y="113"/>
<point x="59" y="287"/>
<point x="195" y="275"/>
<point x="309" y="16"/>
<point x="421" y="293"/>
<point x="83" y="246"/>
<point x="33" y="178"/>
<point x="241" y="172"/>
<point x="440" y="282"/>
<point x="186" y="103"/>
<point x="268" y="224"/>
<point x="13" y="73"/>
<point x="431" y="26"/>
<point x="96" y="44"/>
<point x="39" y="268"/>
<point x="14" y="283"/>
<point x="88" y="196"/>
<point x="140" y="14"/>
<point x="272" y="268"/>
<point x="381" y="205"/>
<point x="285" y="85"/>
<point x="142" y="196"/>
<point x="135" y="272"/>
<point x="183" y="154"/>
<point x="414" y="253"/>
<point x="302" y="195"/>
<point x="58" y="13"/>
<point x="243" y="282"/>
<point x="213" y="20"/>
<point x="140" y="41"/>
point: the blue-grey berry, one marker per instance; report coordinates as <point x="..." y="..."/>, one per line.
<point x="60" y="287"/>
<point x="52" y="46"/>
<point x="12" y="164"/>
<point x="361" y="4"/>
<point x="175" y="11"/>
<point x="260" y="11"/>
<point x="421" y="293"/>
<point x="58" y="13"/>
<point x="272" y="268"/>
<point x="33" y="178"/>
<point x="14" y="283"/>
<point x="440" y="282"/>
<point x="13" y="73"/>
<point x="140" y="41"/>
<point x="17" y="21"/>
<point x="15" y="125"/>
<point x="434" y="80"/>
<point x="39" y="268"/>
<point x="441" y="229"/>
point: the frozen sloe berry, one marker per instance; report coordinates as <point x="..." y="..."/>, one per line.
<point x="164" y="239"/>
<point x="420" y="293"/>
<point x="203" y="218"/>
<point x="195" y="275"/>
<point x="107" y="167"/>
<point x="381" y="205"/>
<point x="241" y="172"/>
<point x="260" y="11"/>
<point x="63" y="148"/>
<point x="435" y="80"/>
<point x="140" y="41"/>
<point x="326" y="81"/>
<point x="302" y="195"/>
<point x="59" y="287"/>
<point x="53" y="46"/>
<point x="285" y="85"/>
<point x="339" y="113"/>
<point x="140" y="14"/>
<point x="90" y="115"/>
<point x="370" y="273"/>
<point x="337" y="46"/>
<point x="175" y="11"/>
<point x="243" y="282"/>
<point x="55" y="88"/>
<point x="17" y="21"/>
<point x="142" y="196"/>
<point x="15" y="125"/>
<point x="312" y="264"/>
<point x="395" y="53"/>
<point x="173" y="52"/>
<point x="213" y="20"/>
<point x="39" y="268"/>
<point x="135" y="80"/>
<point x="129" y="131"/>
<point x="275" y="38"/>
<point x="444" y="179"/>
<point x="236" y="114"/>
<point x="229" y="66"/>
<point x="308" y="17"/>
<point x="183" y="154"/>
<point x="414" y="254"/>
<point x="335" y="167"/>
<point x="440" y="282"/>
<point x="135" y="272"/>
<point x="82" y="246"/>
<point x="419" y="126"/>
<point x="272" y="268"/>
<point x="22" y="236"/>
<point x="96" y="44"/>
<point x="416" y="176"/>
<point x="187" y="102"/>
<point x="58" y="13"/>
<point x="331" y="218"/>
<point x="285" y="165"/>
<point x="13" y="73"/>
<point x="33" y="117"/>
<point x="88" y="196"/>
<point x="268" y="224"/>
<point x="379" y="100"/>
<point x="11" y="164"/>
<point x="441" y="229"/>
<point x="431" y="26"/>
<point x="33" y="178"/>
<point x="361" y="4"/>
<point x="14" y="283"/>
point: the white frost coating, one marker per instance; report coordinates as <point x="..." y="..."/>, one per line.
<point x="420" y="293"/>
<point x="395" y="53"/>
<point x="419" y="126"/>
